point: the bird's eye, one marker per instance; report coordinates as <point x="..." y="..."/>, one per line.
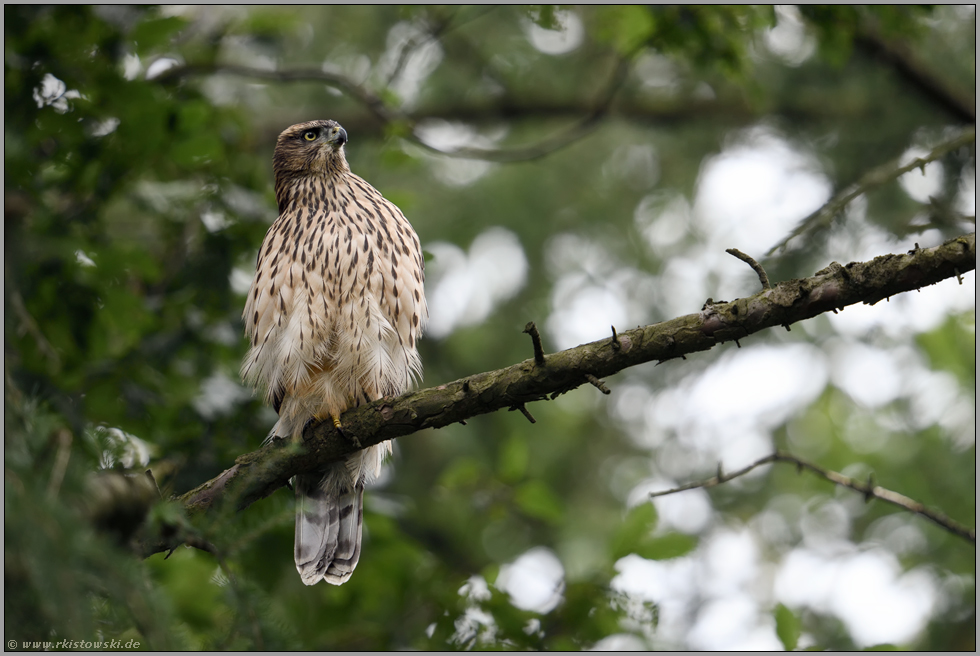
<point x="310" y="135"/>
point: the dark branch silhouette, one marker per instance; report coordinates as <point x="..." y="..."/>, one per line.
<point x="258" y="474"/>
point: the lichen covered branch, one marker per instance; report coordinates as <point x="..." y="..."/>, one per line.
<point x="257" y="474"/>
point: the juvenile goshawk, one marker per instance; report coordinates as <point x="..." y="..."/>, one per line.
<point x="334" y="315"/>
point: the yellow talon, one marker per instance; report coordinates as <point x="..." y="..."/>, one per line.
<point x="352" y="438"/>
<point x="334" y="418"/>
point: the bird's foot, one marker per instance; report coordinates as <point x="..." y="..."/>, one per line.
<point x="350" y="437"/>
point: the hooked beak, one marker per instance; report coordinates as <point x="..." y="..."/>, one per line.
<point x="338" y="137"/>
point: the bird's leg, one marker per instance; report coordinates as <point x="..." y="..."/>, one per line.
<point x="347" y="434"/>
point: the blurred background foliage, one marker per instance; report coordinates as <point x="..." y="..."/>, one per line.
<point x="138" y="189"/>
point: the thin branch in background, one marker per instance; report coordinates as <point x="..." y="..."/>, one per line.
<point x="566" y="137"/>
<point x="30" y="327"/>
<point x="456" y="24"/>
<point x="930" y="82"/>
<point x="64" y="439"/>
<point x="444" y="25"/>
<point x="198" y="542"/>
<point x="340" y="82"/>
<point x="868" y="489"/>
<point x="414" y="43"/>
<point x="876" y="177"/>
<point x="577" y="131"/>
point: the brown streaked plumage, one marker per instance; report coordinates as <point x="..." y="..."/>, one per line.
<point x="333" y="318"/>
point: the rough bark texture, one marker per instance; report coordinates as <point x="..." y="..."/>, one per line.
<point x="258" y="474"/>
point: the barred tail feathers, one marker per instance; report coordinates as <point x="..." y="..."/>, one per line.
<point x="328" y="530"/>
<point x="348" y="537"/>
<point x="329" y="516"/>
<point x="317" y="525"/>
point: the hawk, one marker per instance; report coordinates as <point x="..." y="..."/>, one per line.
<point x="333" y="316"/>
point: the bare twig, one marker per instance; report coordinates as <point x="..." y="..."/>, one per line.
<point x="874" y="178"/>
<point x="868" y="489"/>
<point x="614" y="342"/>
<point x="525" y="412"/>
<point x="759" y="271"/>
<point x="598" y="384"/>
<point x="532" y="330"/>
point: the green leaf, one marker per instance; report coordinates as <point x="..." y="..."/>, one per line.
<point x="625" y="26"/>
<point x="637" y="526"/>
<point x="787" y="627"/>
<point x="544" y="16"/>
<point x="951" y="347"/>
<point x="193" y="116"/>
<point x="635" y="537"/>
<point x="150" y="35"/>
<point x="396" y="128"/>
<point x="672" y="545"/>
<point x="536" y="499"/>
<point x="197" y="150"/>
<point x="513" y="459"/>
<point x="462" y="473"/>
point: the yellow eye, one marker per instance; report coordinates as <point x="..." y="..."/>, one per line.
<point x="310" y="135"/>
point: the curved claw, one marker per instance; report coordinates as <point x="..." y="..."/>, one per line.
<point x="350" y="437"/>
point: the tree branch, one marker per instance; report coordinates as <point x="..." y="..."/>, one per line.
<point x="443" y="25"/>
<point x="659" y="111"/>
<point x="867" y="488"/>
<point x="340" y="82"/>
<point x="584" y="112"/>
<point x="906" y="63"/>
<point x="258" y="474"/>
<point x="874" y="178"/>
<point x="388" y="116"/>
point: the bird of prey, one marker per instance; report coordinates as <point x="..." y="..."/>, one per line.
<point x="333" y="316"/>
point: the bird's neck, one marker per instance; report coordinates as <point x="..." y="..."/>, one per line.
<point x="292" y="187"/>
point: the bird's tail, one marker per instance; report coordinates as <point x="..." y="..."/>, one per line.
<point x="328" y="526"/>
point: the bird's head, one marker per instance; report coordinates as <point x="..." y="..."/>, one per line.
<point x="313" y="148"/>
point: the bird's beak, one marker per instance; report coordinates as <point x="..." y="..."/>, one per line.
<point x="339" y="138"/>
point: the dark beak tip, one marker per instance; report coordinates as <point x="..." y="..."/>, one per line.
<point x="342" y="137"/>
